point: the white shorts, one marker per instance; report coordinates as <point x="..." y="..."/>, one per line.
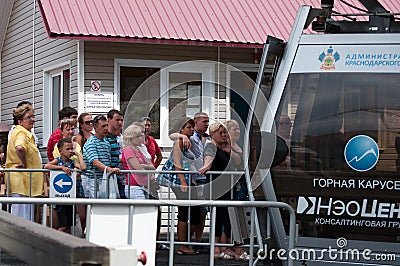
<point x="136" y="192"/>
<point x="26" y="211"/>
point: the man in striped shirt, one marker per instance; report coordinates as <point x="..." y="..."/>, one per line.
<point x="97" y="153"/>
<point x="115" y="121"/>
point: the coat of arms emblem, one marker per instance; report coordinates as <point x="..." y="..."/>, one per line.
<point x="328" y="59"/>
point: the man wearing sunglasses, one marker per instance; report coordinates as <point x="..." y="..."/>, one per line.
<point x="96" y="153"/>
<point x="65" y="113"/>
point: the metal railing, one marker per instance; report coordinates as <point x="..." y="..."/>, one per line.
<point x="212" y="204"/>
<point x="171" y="210"/>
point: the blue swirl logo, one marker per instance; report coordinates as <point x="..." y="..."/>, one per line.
<point x="361" y="153"/>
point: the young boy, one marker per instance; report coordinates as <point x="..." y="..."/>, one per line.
<point x="66" y="164"/>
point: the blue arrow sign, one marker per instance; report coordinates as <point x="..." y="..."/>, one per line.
<point x="62" y="183"/>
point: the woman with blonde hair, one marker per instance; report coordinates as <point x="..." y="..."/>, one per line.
<point x="22" y="153"/>
<point x="240" y="191"/>
<point x="219" y="156"/>
<point x="134" y="159"/>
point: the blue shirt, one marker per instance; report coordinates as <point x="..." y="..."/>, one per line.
<point x="116" y="149"/>
<point x="96" y="149"/>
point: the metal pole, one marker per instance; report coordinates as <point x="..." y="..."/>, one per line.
<point x="212" y="234"/>
<point x="88" y="211"/>
<point x="189" y="208"/>
<point x="51" y="215"/>
<point x="252" y="220"/>
<point x="44" y="214"/>
<point x="73" y="219"/>
<point x="292" y="233"/>
<point x="172" y="239"/>
<point x="129" y="186"/>
<point x="130" y="225"/>
<point x="30" y="196"/>
<point x="8" y="190"/>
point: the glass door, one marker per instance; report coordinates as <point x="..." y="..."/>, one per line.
<point x="186" y="89"/>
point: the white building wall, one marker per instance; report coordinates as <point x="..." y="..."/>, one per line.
<point x="26" y="53"/>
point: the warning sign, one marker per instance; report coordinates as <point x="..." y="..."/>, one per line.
<point x="95" y="85"/>
<point x="101" y="102"/>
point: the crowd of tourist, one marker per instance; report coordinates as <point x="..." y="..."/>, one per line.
<point x="99" y="145"/>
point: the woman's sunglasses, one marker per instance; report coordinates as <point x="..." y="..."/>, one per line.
<point x="88" y="122"/>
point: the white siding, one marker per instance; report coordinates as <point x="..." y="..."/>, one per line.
<point x="19" y="56"/>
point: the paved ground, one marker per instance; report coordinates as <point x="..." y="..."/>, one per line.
<point x="202" y="259"/>
<point x="161" y="259"/>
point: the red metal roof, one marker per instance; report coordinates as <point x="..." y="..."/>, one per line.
<point x="194" y="22"/>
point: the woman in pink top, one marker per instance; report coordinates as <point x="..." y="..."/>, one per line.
<point x="134" y="159"/>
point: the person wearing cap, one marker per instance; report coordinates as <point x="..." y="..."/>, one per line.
<point x="151" y="144"/>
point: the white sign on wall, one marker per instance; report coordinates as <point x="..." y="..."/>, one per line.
<point x="99" y="102"/>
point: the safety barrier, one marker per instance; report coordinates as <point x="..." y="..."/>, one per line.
<point x="171" y="214"/>
<point x="212" y="204"/>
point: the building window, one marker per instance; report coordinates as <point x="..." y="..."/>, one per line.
<point x="60" y="88"/>
<point x="56" y="96"/>
<point x="164" y="91"/>
<point x="135" y="90"/>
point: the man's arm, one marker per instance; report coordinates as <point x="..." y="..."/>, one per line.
<point x="101" y="166"/>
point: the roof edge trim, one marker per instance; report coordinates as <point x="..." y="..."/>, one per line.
<point x="43" y="15"/>
<point x="154" y="41"/>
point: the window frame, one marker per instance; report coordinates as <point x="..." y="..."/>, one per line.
<point x="48" y="74"/>
<point x="166" y="67"/>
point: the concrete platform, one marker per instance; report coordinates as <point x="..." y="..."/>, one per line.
<point x="6" y="259"/>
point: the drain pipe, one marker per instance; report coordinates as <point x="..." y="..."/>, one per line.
<point x="218" y="84"/>
<point x="33" y="53"/>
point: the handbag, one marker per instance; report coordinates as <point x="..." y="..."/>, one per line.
<point x="113" y="187"/>
<point x="102" y="183"/>
<point x="113" y="192"/>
